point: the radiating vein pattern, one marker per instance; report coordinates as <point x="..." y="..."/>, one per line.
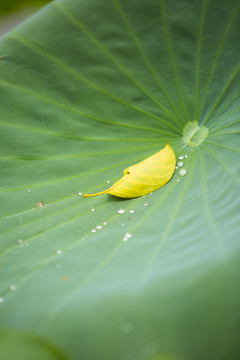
<point x="90" y="88"/>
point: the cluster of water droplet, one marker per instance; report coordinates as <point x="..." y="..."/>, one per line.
<point x="180" y="163"/>
<point x="22" y="243"/>
<point x="127" y="236"/>
<point x="99" y="227"/>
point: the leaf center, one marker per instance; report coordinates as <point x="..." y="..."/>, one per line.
<point x="193" y="134"/>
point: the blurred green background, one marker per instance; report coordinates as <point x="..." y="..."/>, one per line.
<point x="13" y="12"/>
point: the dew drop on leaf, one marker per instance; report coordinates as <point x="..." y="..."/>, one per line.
<point x="99" y="227"/>
<point x="145" y="204"/>
<point x="182" y="172"/>
<point x="93" y="230"/>
<point x="121" y="211"/>
<point x="40" y="204"/>
<point x="59" y="252"/>
<point x="80" y="193"/>
<point x="180" y="157"/>
<point x="1" y="300"/>
<point x="92" y="209"/>
<point x="13" y="287"/>
<point x="132" y="211"/>
<point x="178" y="180"/>
<point x="104" y="223"/>
<point x="180" y="163"/>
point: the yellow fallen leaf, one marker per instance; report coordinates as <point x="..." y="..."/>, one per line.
<point x="144" y="177"/>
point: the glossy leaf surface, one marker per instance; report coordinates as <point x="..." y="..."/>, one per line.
<point x="89" y="88"/>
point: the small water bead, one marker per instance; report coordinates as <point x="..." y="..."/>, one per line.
<point x="13" y="287"/>
<point x="80" y="193"/>
<point x="40" y="204"/>
<point x="180" y="163"/>
<point x="99" y="227"/>
<point x="93" y="230"/>
<point x="29" y="191"/>
<point x="108" y="181"/>
<point x="92" y="209"/>
<point x="181" y="157"/>
<point x="121" y="211"/>
<point x="186" y="156"/>
<point x="176" y="167"/>
<point x="182" y="172"/>
<point x="132" y="211"/>
<point x="127" y="236"/>
<point x="59" y="252"/>
<point x="145" y="204"/>
<point x="1" y="300"/>
<point x="178" y="180"/>
<point x="20" y="241"/>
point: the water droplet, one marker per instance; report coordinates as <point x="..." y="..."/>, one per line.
<point x="180" y="163"/>
<point x="12" y="287"/>
<point x="99" y="227"/>
<point x="1" y="300"/>
<point x="108" y="181"/>
<point x="132" y="211"/>
<point x="182" y="172"/>
<point x="186" y="156"/>
<point x="92" y="209"/>
<point x="145" y="204"/>
<point x="59" y="252"/>
<point x="20" y="241"/>
<point x="80" y="193"/>
<point x="121" y="211"/>
<point x="29" y="191"/>
<point x="127" y="236"/>
<point x="104" y="223"/>
<point x="126" y="328"/>
<point x="178" y="180"/>
<point x="93" y="230"/>
<point x="40" y="204"/>
<point x="180" y="157"/>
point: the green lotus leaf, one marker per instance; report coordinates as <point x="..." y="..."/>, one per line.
<point x="89" y="88"/>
